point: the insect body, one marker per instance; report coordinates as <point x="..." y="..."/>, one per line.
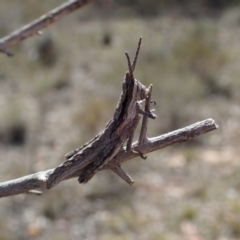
<point x="105" y="146"/>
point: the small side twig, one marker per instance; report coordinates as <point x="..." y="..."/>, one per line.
<point x="40" y="23"/>
<point x="38" y="180"/>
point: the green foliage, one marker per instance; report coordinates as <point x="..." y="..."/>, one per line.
<point x="188" y="213"/>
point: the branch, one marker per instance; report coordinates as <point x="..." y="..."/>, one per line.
<point x="34" y="181"/>
<point x="42" y="22"/>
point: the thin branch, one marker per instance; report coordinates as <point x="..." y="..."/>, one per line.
<point x="38" y="180"/>
<point x="40" y="23"/>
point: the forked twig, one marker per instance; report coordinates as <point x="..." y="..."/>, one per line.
<point x="38" y="180"/>
<point x="105" y="151"/>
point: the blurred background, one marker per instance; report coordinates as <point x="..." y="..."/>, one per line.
<point x="60" y="89"/>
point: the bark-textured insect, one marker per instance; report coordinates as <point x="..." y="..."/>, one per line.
<point x="120" y="130"/>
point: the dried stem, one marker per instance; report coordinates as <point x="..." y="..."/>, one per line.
<point x="38" y="180"/>
<point x="40" y="23"/>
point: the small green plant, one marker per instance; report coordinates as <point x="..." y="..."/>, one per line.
<point x="188" y="213"/>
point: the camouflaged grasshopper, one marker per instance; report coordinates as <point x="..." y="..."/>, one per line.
<point x="120" y="130"/>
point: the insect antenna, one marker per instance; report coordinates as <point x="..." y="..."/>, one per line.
<point x="136" y="54"/>
<point x="131" y="66"/>
<point x="130" y="70"/>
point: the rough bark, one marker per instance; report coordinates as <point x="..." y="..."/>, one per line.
<point x="29" y="183"/>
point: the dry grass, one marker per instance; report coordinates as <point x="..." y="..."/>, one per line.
<point x="192" y="188"/>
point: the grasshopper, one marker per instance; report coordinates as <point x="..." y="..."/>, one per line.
<point x="120" y="130"/>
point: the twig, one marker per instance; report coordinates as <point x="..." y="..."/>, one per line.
<point x="42" y="22"/>
<point x="38" y="180"/>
